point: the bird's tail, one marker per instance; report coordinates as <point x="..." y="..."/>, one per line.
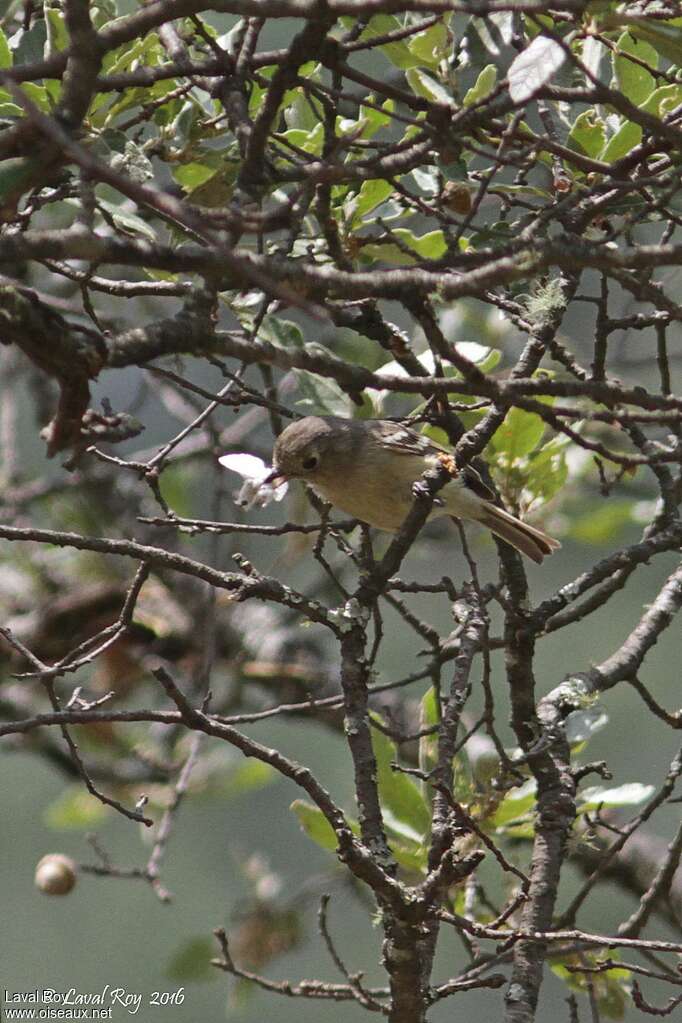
<point x="528" y="539"/>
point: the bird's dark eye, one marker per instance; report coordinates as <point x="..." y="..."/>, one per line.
<point x="310" y="463"/>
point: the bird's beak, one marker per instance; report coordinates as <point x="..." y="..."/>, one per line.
<point x="275" y="479"/>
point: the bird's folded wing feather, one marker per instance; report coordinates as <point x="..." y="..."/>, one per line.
<point x="404" y="441"/>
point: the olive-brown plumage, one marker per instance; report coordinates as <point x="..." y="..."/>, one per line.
<point x="367" y="468"/>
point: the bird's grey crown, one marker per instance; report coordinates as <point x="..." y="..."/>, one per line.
<point x="315" y="433"/>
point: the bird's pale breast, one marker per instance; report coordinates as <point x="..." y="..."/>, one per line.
<point x="379" y="491"/>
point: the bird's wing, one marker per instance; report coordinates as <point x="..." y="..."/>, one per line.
<point x="402" y="440"/>
<point x="405" y="441"/>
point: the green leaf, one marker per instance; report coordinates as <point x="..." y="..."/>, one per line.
<point x="431" y="46"/>
<point x="372" y="193"/>
<point x="663" y="100"/>
<point x="485" y="83"/>
<point x="166" y="113"/>
<point x="309" y="141"/>
<point x="57" y="36"/>
<point x="37" y="94"/>
<point x="217" y="191"/>
<point x="406" y="846"/>
<point x="121" y="60"/>
<point x="128" y="222"/>
<point x="533" y="67"/>
<point x="485" y="358"/>
<point x="375" y="119"/>
<point x="426" y="178"/>
<point x="428" y="744"/>
<point x="454" y="170"/>
<point x="309" y="69"/>
<point x="103" y="12"/>
<point x="516" y="804"/>
<point x="75" y="808"/>
<point x="161" y="275"/>
<point x="322" y="395"/>
<point x="53" y="87"/>
<point x="422" y="84"/>
<point x="258" y="93"/>
<point x="282" y="333"/>
<point x="397" y="53"/>
<point x="300" y="113"/>
<point x="31" y="44"/>
<point x="609" y="988"/>
<point x="190" y="175"/>
<point x="518" y="435"/>
<point x="114" y="142"/>
<point x="17" y="175"/>
<point x="8" y="108"/>
<point x="624" y="141"/>
<point x="497" y="233"/>
<point x="6" y="58"/>
<point x="386" y="252"/>
<point x="664" y="36"/>
<point x="316" y="825"/>
<point x="468" y="419"/>
<point x="588" y="134"/>
<point x="547" y="471"/>
<point x="130" y="99"/>
<point x="397" y="791"/>
<point x="428" y="246"/>
<point x="629" y="794"/>
<point x="634" y="81"/>
<point x="463" y="789"/>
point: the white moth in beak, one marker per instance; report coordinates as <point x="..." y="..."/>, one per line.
<point x="261" y="483"/>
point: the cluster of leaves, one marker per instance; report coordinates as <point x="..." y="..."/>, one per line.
<point x="505" y="815"/>
<point x="401" y="218"/>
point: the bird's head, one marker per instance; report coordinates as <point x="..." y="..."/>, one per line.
<point x="302" y="450"/>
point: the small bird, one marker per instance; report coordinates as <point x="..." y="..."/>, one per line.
<point x="367" y="468"/>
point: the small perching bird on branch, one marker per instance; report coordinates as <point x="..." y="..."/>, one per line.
<point x="368" y="468"/>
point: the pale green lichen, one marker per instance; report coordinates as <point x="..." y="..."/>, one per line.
<point x="545" y="300"/>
